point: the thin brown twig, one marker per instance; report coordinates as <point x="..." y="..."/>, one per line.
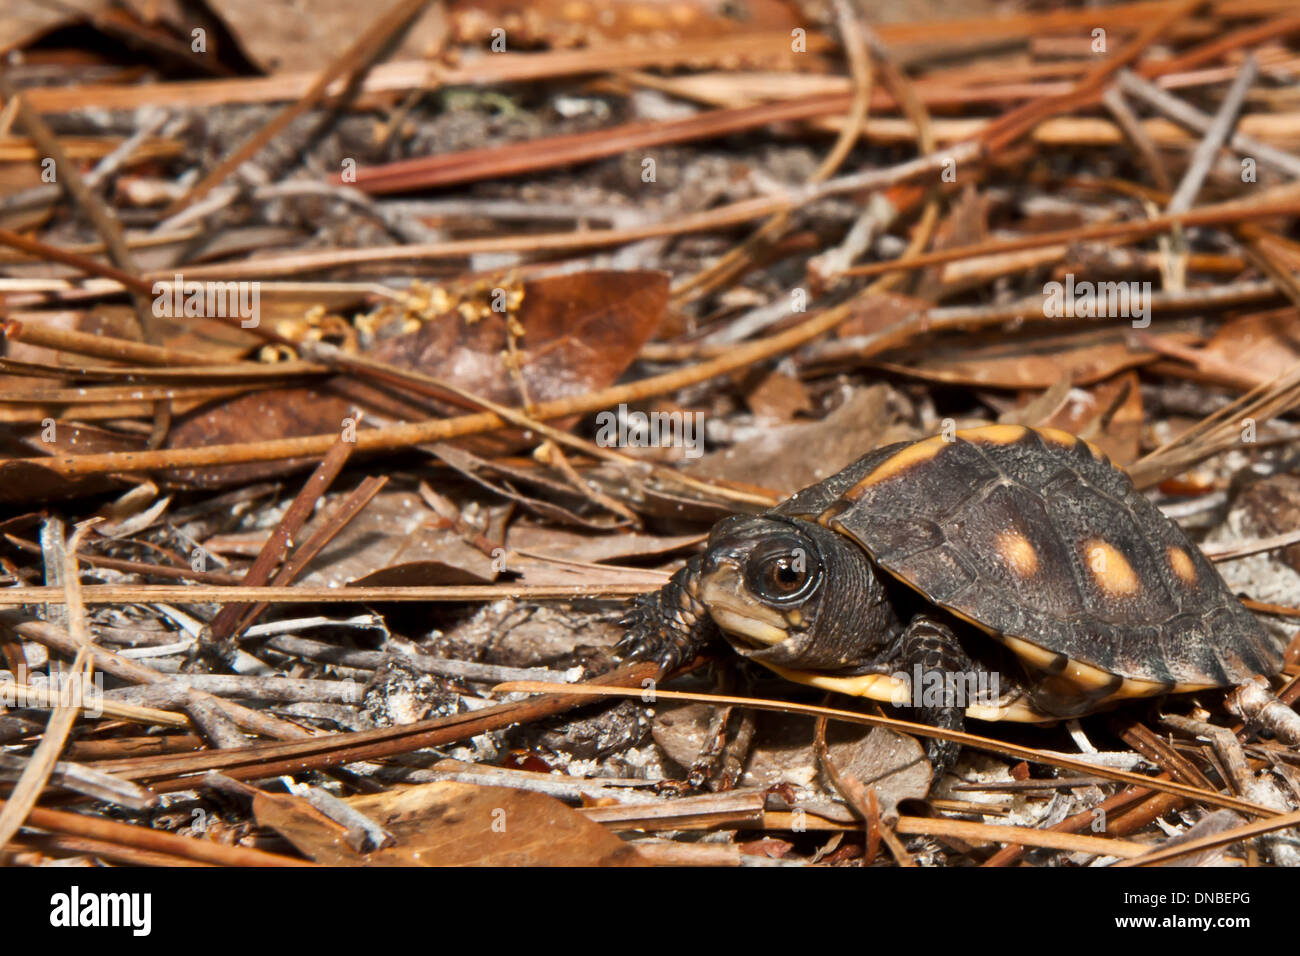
<point x="402" y="436"/>
<point x="909" y="727"/>
<point x="346" y="67"/>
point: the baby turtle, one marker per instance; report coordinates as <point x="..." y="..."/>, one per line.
<point x="1000" y="573"/>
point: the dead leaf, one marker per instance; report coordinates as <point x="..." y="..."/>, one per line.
<point x="398" y="540"/>
<point x="789" y="457"/>
<point x="28" y="20"/>
<point x="580" y="333"/>
<point x="293" y="37"/>
<point x="893" y="764"/>
<point x="1109" y="415"/>
<point x="562" y="23"/>
<point x="783" y="752"/>
<point x="778" y="396"/>
<point x="1265" y="343"/>
<point x="460" y="824"/>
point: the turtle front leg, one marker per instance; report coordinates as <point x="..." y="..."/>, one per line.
<point x="671" y="625"/>
<point x="930" y="653"/>
<point x="1255" y="703"/>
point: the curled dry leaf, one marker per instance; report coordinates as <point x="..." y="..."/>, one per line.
<point x="1109" y="414"/>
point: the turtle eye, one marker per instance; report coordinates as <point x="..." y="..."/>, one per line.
<point x="782" y="572"/>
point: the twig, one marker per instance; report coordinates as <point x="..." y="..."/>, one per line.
<point x="909" y="727"/>
<point x="1226" y="838"/>
<point x="1208" y="148"/>
<point x="402" y="436"/>
<point x="346" y="67"/>
<point x="43" y="760"/>
<point x="1023" y="836"/>
<point x="146" y="838"/>
<point x="1202" y="122"/>
<point x="279" y="541"/>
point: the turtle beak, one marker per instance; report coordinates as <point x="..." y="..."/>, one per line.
<point x="738" y="615"/>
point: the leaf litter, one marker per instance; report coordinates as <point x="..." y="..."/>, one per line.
<point x="622" y="219"/>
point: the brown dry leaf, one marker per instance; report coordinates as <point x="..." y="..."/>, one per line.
<point x="966" y="225"/>
<point x="460" y="824"/>
<point x="397" y="540"/>
<point x="565" y="23"/>
<point x="783" y="752"/>
<point x="67" y="438"/>
<point x="893" y="764"/>
<point x="690" y="506"/>
<point x="25" y="21"/>
<point x="1034" y="361"/>
<point x="538" y="554"/>
<point x="315" y="835"/>
<point x="292" y="37"/>
<point x="778" y="396"/>
<point x="473" y="468"/>
<point x="1110" y="416"/>
<point x="581" y="332"/>
<point x="1264" y="343"/>
<point x="568" y="545"/>
<point x="258" y="416"/>
<point x="1035" y="409"/>
<point x="789" y="457"/>
<point x="879" y="312"/>
<point x="27" y="482"/>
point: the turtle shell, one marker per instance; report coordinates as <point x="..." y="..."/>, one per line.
<point x="1034" y="537"/>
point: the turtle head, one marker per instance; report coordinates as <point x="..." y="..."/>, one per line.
<point x="793" y="594"/>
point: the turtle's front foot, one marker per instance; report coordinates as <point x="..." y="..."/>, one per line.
<point x="668" y="626"/>
<point x="932" y="652"/>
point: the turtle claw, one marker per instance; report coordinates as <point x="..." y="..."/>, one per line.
<point x="652" y="637"/>
<point x="669" y="626"/>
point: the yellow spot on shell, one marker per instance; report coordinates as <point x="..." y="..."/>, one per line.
<point x="1181" y="562"/>
<point x="1110" y="569"/>
<point x="1017" y="553"/>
